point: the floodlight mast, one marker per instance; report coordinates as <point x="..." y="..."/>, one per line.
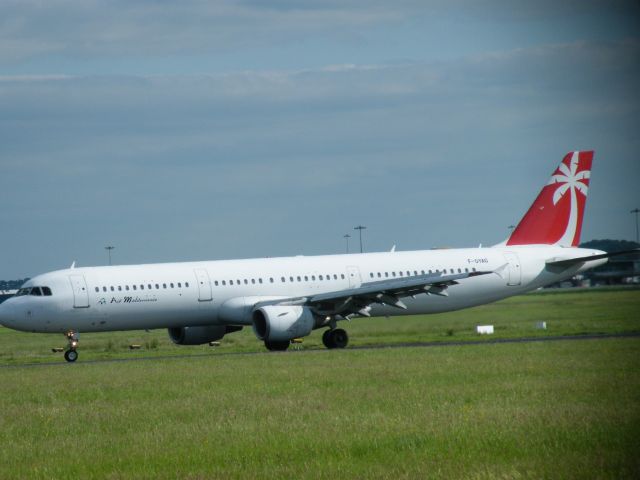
<point x="108" y="249"/>
<point x="347" y="237"/>
<point x="636" y="211"/>
<point x="360" y="228"/>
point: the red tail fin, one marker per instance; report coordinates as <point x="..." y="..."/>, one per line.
<point x="555" y="218"/>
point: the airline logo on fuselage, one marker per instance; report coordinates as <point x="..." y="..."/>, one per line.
<point x="104" y="301"/>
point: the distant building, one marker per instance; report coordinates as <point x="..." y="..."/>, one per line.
<point x="623" y="269"/>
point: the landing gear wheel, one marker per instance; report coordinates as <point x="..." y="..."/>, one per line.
<point x="326" y="339"/>
<point x="337" y="338"/>
<point x="277" y="346"/>
<point x="71" y="355"/>
<point x="340" y="338"/>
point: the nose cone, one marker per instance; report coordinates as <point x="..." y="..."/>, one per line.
<point x="6" y="314"/>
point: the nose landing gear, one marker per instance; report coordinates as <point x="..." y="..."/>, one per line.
<point x="71" y="354"/>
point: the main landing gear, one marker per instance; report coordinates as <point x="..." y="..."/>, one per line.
<point x="335" y="338"/>
<point x="71" y="354"/>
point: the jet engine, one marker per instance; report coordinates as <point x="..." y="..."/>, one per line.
<point x="200" y="335"/>
<point x="282" y="323"/>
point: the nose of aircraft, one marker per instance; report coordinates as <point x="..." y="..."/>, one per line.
<point x="5" y="314"/>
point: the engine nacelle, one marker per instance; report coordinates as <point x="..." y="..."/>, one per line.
<point x="280" y="323"/>
<point x="200" y="335"/>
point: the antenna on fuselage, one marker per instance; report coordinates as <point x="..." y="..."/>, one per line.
<point x="73" y="265"/>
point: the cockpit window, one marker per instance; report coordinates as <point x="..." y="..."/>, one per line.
<point x="35" y="291"/>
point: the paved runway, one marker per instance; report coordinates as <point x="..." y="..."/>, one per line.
<point x="367" y="347"/>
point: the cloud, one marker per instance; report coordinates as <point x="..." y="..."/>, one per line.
<point x="85" y="29"/>
<point x="419" y="152"/>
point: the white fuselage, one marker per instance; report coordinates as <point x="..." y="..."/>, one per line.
<point x="94" y="299"/>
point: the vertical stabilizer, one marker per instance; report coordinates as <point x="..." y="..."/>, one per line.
<point x="555" y="218"/>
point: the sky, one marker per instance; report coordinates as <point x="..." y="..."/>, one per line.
<point x="199" y="130"/>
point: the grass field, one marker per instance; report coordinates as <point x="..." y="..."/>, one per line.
<point x="562" y="409"/>
<point x="574" y="312"/>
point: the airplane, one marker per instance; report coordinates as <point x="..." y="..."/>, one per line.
<point x="289" y="297"/>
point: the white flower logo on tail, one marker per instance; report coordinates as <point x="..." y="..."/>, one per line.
<point x="571" y="181"/>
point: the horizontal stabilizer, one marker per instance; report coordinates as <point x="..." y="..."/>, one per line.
<point x="568" y="262"/>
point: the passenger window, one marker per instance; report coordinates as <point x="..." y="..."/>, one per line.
<point x="186" y="284"/>
<point x="379" y="275"/>
<point x="459" y="270"/>
<point x="282" y="278"/>
<point x="246" y="282"/>
<point x="466" y="270"/>
<point x="291" y="279"/>
<point x="171" y="285"/>
<point x="371" y="275"/>
<point x="104" y="289"/>
<point x="271" y="279"/>
<point x="306" y="279"/>
<point x="342" y="276"/>
<point x="320" y="277"/>
<point x="253" y="280"/>
<point x="335" y="277"/>
<point x="386" y="274"/>
<point x="400" y="273"/>
<point x="216" y="283"/>
<point x="135" y="288"/>
<point x="230" y="282"/>
<point x="179" y="285"/>
<point x="141" y="287"/>
<point x="164" y="285"/>
<point x="259" y="280"/>
<point x="313" y="278"/>
<point x="224" y="282"/>
<point x="473" y="269"/>
<point x="415" y="272"/>
<point x="126" y="287"/>
<point x="119" y="288"/>
<point x="97" y="289"/>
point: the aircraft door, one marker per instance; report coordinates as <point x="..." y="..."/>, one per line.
<point x="513" y="269"/>
<point x="204" y="285"/>
<point x="80" y="292"/>
<point x="353" y="273"/>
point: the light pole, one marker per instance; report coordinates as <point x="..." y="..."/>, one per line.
<point x="108" y="249"/>
<point x="360" y="228"/>
<point x="636" y="210"/>
<point x="347" y="237"/>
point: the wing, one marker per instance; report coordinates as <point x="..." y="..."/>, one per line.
<point x="385" y="292"/>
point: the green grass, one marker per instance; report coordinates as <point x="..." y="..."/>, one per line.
<point x="573" y="312"/>
<point x="563" y="409"/>
<point x="566" y="409"/>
